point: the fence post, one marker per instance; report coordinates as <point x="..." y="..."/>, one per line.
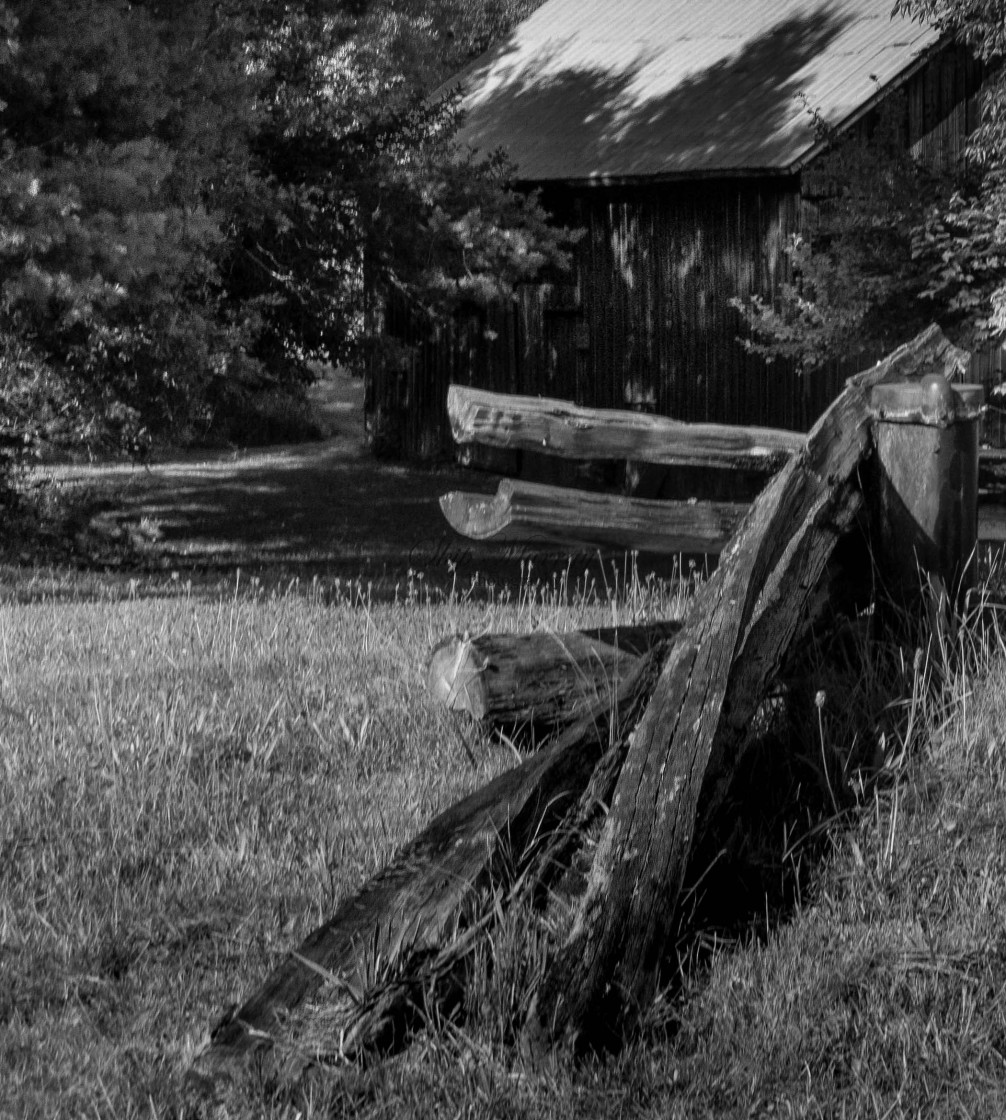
<point x="924" y="510"/>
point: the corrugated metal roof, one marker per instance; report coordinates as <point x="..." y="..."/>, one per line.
<point x="615" y="89"/>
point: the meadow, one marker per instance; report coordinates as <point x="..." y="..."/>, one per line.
<point x="192" y="780"/>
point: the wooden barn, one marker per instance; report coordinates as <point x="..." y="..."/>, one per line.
<point x="678" y="134"/>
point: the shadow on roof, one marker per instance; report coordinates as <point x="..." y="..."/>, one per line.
<point x="743" y="111"/>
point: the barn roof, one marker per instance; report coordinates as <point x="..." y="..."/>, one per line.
<point x="595" y="90"/>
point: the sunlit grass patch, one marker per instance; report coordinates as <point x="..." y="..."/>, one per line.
<point x="190" y="785"/>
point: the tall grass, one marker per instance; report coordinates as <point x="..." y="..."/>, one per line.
<point x="191" y="783"/>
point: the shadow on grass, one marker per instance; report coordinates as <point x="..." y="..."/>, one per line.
<point x="307" y="512"/>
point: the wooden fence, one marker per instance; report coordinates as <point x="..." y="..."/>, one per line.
<point x="530" y="347"/>
<point x="642" y="758"/>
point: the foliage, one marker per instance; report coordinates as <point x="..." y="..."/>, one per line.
<point x="365" y="191"/>
<point x="112" y="140"/>
<point x="965" y="240"/>
<point x="858" y="277"/>
<point x="199" y="198"/>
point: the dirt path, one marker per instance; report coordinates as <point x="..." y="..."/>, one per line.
<point x="318" y="506"/>
<point x="325" y="508"/>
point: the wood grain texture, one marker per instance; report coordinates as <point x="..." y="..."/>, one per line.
<point x="567" y="430"/>
<point x="547" y="678"/>
<point x="410" y="908"/>
<point x="531" y="512"/>
<point x="734" y="637"/>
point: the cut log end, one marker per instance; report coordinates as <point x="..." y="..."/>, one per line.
<point x="456" y="679"/>
<point x="475" y="516"/>
<point x="544" y="679"/>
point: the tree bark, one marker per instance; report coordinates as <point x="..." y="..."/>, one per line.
<point x="735" y="636"/>
<point x="564" y="429"/>
<point x="547" y="678"/>
<point x="530" y="512"/>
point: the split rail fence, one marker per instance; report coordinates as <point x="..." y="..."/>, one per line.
<point x="641" y="757"/>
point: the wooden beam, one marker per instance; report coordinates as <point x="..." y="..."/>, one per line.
<point x="406" y="911"/>
<point x="532" y="513"/>
<point x="736" y="633"/>
<point x="546" y="678"/>
<point x="572" y="432"/>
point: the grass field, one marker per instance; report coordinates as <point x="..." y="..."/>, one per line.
<point x="191" y="783"/>
<point x="195" y="767"/>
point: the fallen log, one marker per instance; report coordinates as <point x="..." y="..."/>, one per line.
<point x="408" y="910"/>
<point x="327" y="1027"/>
<point x="735" y="635"/>
<point x="572" y="432"/>
<point x="530" y="512"/>
<point x="546" y="678"/>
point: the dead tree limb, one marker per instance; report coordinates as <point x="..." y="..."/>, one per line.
<point x="734" y="637"/>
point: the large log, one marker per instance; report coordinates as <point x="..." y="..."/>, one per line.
<point x="411" y="907"/>
<point x="546" y="678"/>
<point x="734" y="638"/>
<point x="530" y="512"/>
<point x="572" y="432"/>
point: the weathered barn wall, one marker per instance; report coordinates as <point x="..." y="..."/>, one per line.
<point x="648" y="322"/>
<point x="643" y="320"/>
<point x="944" y="105"/>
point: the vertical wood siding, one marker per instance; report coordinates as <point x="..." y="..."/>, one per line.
<point x="944" y="104"/>
<point x="643" y="320"/>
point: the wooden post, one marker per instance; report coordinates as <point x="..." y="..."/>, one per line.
<point x="925" y="484"/>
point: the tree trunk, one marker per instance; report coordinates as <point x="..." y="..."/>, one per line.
<point x="567" y="430"/>
<point x="547" y="678"/>
<point x="735" y="636"/>
<point x="530" y="512"/>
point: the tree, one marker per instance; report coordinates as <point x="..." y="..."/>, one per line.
<point x="963" y="241"/>
<point x="200" y="198"/>
<point x="365" y="193"/>
<point x="112" y="141"/>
